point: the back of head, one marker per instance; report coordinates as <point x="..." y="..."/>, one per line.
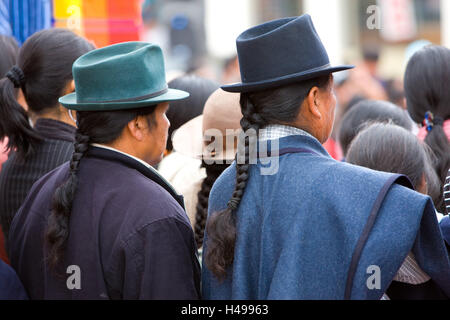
<point x="389" y="148"/>
<point x="43" y="71"/>
<point x="426" y="89"/>
<point x="9" y="50"/>
<point x="182" y="111"/>
<point x="370" y="111"/>
<point x="426" y="83"/>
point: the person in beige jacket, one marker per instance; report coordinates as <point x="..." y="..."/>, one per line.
<point x="199" y="158"/>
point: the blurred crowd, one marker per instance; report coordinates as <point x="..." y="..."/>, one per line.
<point x="64" y="200"/>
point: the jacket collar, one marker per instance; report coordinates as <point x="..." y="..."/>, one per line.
<point x="55" y="130"/>
<point x="295" y="144"/>
<point x="131" y="162"/>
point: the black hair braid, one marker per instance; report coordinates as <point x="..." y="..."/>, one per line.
<point x="221" y="227"/>
<point x="58" y="223"/>
<point x="213" y="171"/>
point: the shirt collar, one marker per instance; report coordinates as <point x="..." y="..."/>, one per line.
<point x="277" y="131"/>
<point x="124" y="153"/>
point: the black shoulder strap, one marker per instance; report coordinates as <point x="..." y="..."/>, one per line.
<point x="399" y="179"/>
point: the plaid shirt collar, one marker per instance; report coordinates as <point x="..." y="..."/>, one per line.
<point x="274" y="132"/>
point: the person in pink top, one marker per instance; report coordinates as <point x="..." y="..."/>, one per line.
<point x="428" y="101"/>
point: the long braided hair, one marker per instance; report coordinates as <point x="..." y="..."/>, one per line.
<point x="213" y="171"/>
<point x="93" y="127"/>
<point x="259" y="109"/>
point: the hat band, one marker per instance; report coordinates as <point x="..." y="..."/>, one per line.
<point x="147" y="96"/>
<point x="305" y="72"/>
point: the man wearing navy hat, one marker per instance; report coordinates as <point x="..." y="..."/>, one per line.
<point x="316" y="228"/>
<point x="106" y="225"/>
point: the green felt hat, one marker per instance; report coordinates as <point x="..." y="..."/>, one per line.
<point x="121" y="76"/>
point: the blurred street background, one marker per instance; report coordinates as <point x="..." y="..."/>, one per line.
<point x="198" y="36"/>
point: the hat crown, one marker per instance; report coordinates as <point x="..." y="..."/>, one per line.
<point x="280" y="48"/>
<point x="121" y="72"/>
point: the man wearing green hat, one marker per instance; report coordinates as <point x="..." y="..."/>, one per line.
<point x="106" y="225"/>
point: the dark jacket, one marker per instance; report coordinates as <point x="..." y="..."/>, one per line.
<point x="18" y="176"/>
<point x="129" y="235"/>
<point x="297" y="230"/>
<point x="10" y="286"/>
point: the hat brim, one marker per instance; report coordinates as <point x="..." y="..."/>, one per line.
<point x="276" y="82"/>
<point x="70" y="102"/>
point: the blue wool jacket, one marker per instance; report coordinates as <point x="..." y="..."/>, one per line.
<point x="297" y="230"/>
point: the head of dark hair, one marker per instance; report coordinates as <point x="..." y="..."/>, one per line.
<point x="9" y="50"/>
<point x="426" y="89"/>
<point x="182" y="111"/>
<point x="93" y="127"/>
<point x="45" y="61"/>
<point x="370" y="111"/>
<point x="389" y="148"/>
<point x="261" y="108"/>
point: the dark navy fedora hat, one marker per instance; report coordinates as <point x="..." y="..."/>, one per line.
<point x="280" y="52"/>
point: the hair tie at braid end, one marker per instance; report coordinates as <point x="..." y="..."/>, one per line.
<point x="431" y="120"/>
<point x="233" y="204"/>
<point x="16" y="76"/>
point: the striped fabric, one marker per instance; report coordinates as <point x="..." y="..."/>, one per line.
<point x="17" y="177"/>
<point x="447" y="193"/>
<point x="410" y="272"/>
<point x="23" y="18"/>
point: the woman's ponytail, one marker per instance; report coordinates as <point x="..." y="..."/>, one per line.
<point x="14" y="122"/>
<point x="437" y="140"/>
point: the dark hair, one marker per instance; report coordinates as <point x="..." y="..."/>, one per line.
<point x="44" y="67"/>
<point x="259" y="109"/>
<point x="9" y="50"/>
<point x="213" y="171"/>
<point x="426" y="89"/>
<point x="389" y="148"/>
<point x="370" y="111"/>
<point x="182" y="111"/>
<point x="93" y="127"/>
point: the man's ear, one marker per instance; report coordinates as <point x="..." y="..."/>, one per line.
<point x="136" y="128"/>
<point x="313" y="102"/>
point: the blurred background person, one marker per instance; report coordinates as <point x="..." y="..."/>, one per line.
<point x="428" y="101"/>
<point x="9" y="51"/>
<point x="390" y="148"/>
<point x="183" y="172"/>
<point x="220" y="121"/>
<point x="231" y="73"/>
<point x="183" y="111"/>
<point x="370" y="111"/>
<point x="43" y="73"/>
